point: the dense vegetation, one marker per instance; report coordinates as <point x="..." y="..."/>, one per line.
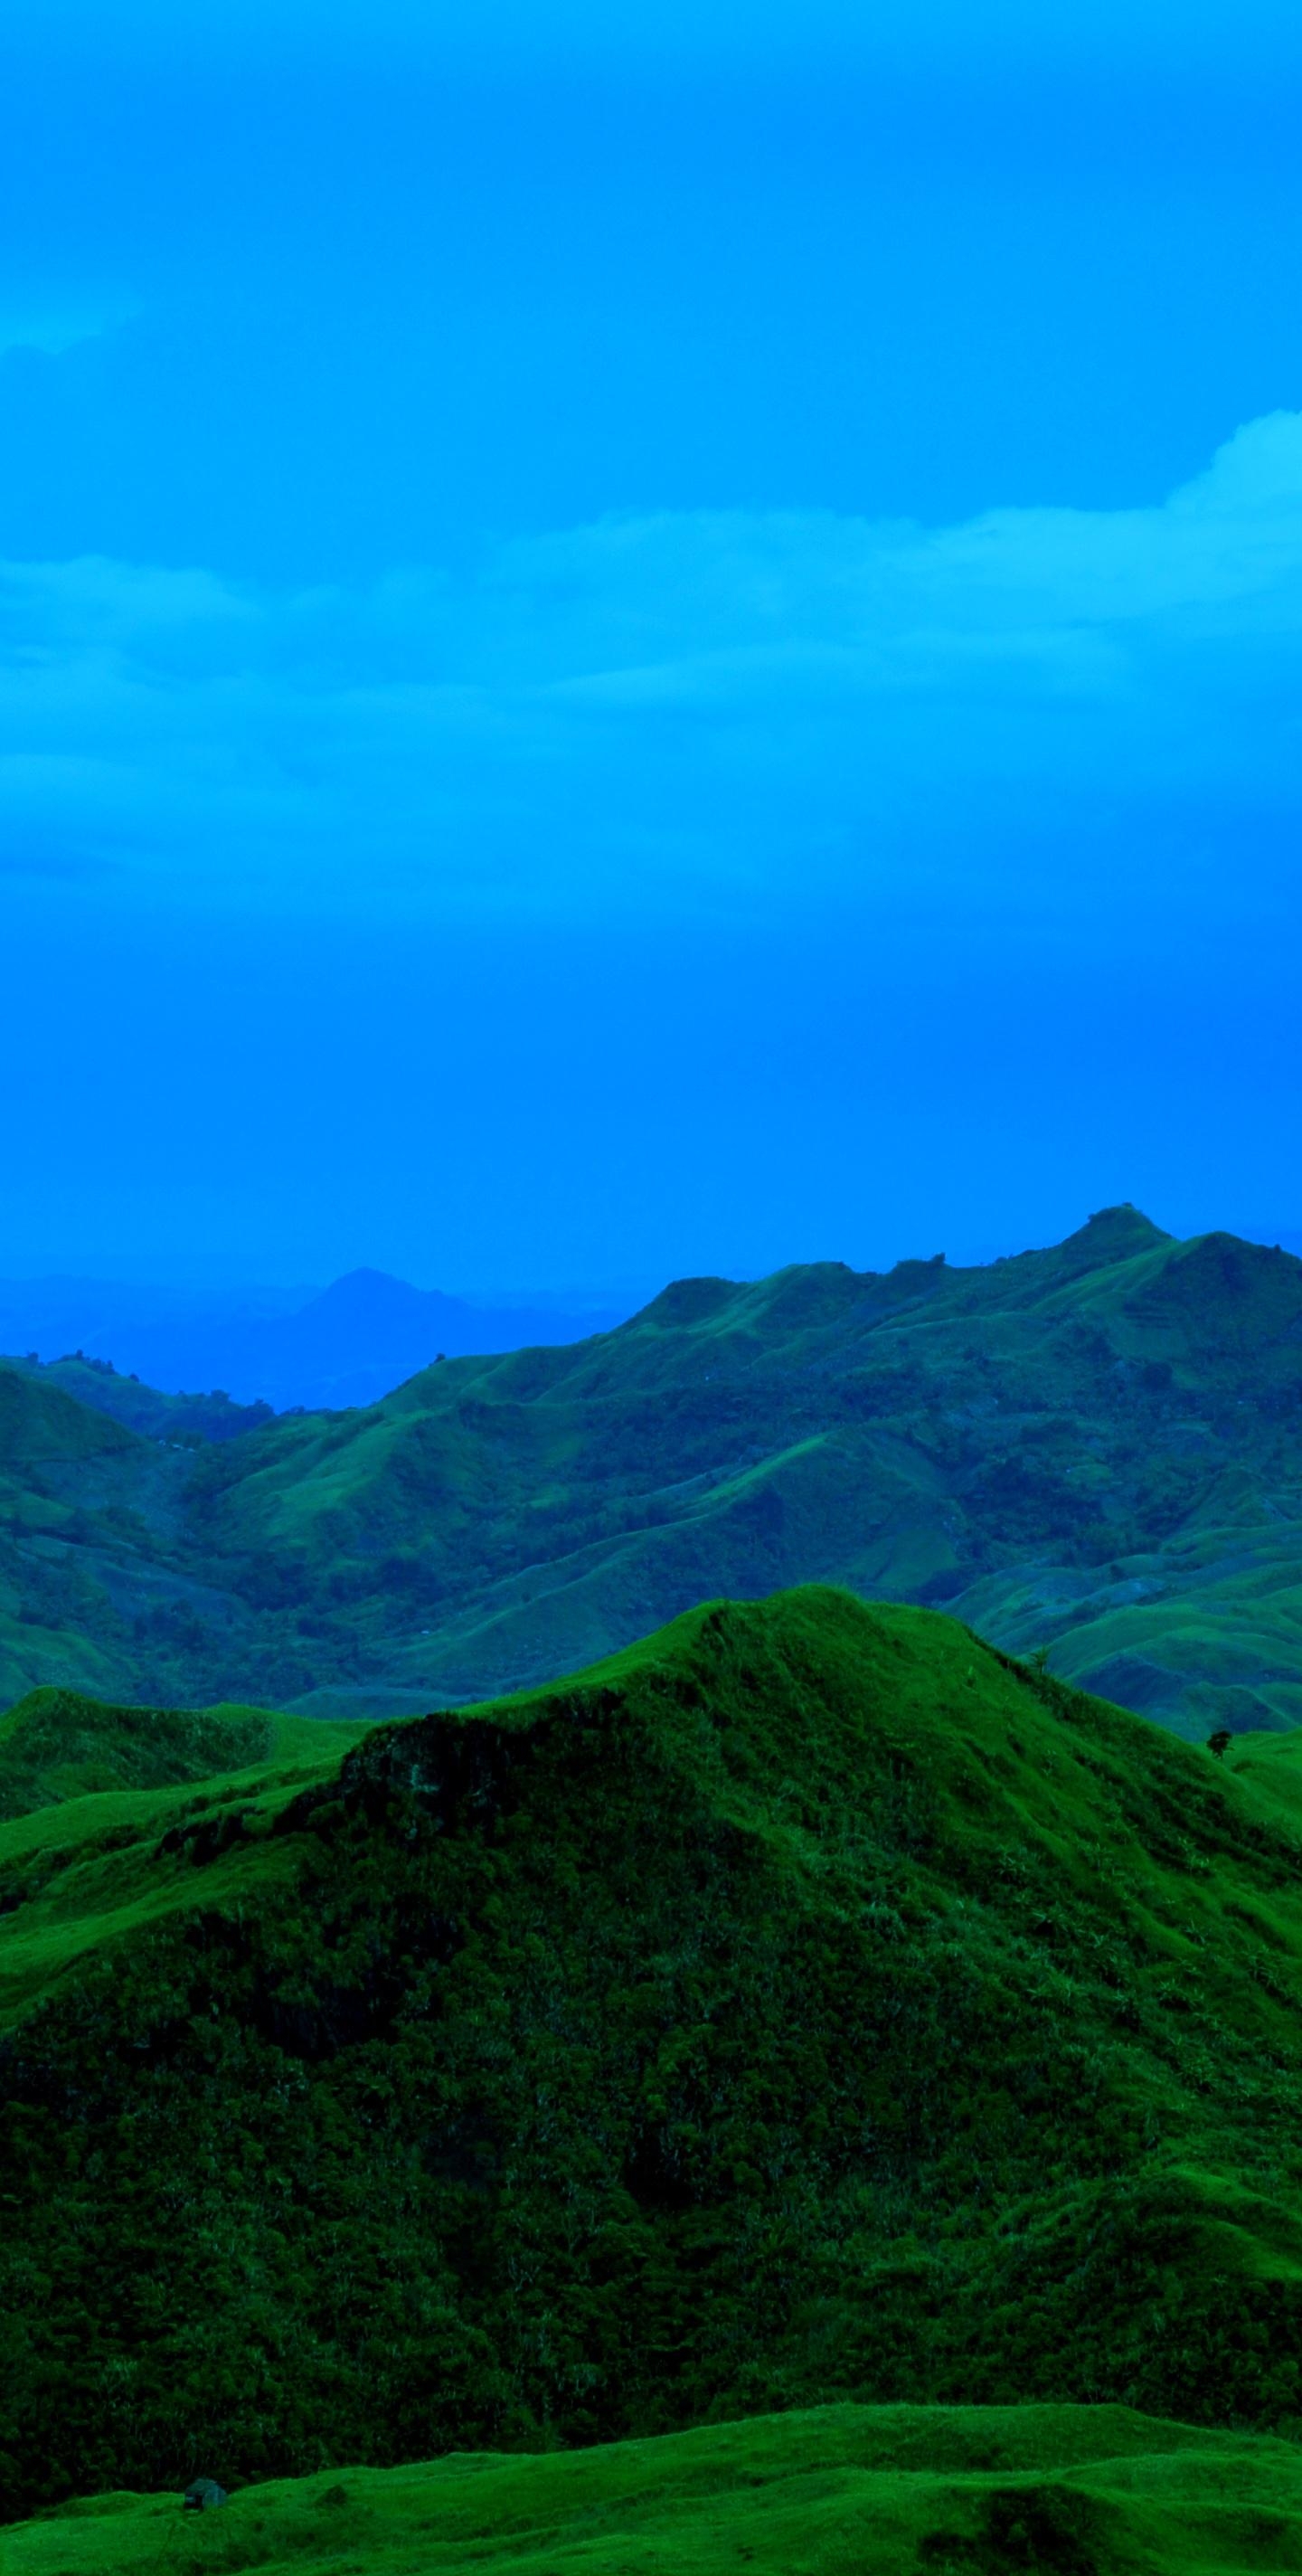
<point x="805" y="2004"/>
<point x="844" y="2491"/>
<point x="1092" y="1449"/>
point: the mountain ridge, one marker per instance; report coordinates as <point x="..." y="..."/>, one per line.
<point x="1091" y="1449"/>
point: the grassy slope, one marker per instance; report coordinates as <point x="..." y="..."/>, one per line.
<point x="57" y="1744"/>
<point x="880" y="2491"/>
<point x="801" y="2005"/>
<point x="93" y="1561"/>
<point x="1092" y="1448"/>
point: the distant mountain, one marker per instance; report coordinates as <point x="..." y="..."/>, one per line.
<point x="367" y="1333"/>
<point x="1092" y="1451"/>
<point x="804" y="2003"/>
<point x="349" y="1344"/>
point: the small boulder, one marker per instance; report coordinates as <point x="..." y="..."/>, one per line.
<point x="204" y="2493"/>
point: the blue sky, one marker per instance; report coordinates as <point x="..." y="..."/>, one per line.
<point x="628" y="648"/>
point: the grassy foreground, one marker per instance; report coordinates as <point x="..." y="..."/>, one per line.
<point x="840" y="2491"/>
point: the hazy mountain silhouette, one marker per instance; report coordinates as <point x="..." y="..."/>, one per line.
<point x="347" y="1344"/>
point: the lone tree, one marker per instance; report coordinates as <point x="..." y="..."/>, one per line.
<point x="1220" y="1742"/>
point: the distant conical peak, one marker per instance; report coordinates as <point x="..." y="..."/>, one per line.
<point x="370" y="1294"/>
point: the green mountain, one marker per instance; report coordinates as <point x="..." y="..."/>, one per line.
<point x="1092" y="1450"/>
<point x="186" y="1420"/>
<point x="806" y="2004"/>
<point x="882" y="2491"/>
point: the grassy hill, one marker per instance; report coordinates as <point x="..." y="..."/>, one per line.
<point x="186" y="1420"/>
<point x="805" y="2004"/>
<point x="881" y="2490"/>
<point x="58" y="1744"/>
<point x="1092" y="1449"/>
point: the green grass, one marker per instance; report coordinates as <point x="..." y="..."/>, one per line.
<point x="803" y="2005"/>
<point x="843" y="2491"/>
<point x="60" y="1744"/>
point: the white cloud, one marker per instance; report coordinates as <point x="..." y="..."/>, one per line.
<point x="626" y="704"/>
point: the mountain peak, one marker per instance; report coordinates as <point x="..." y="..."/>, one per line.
<point x="371" y="1296"/>
<point x="1114" y="1234"/>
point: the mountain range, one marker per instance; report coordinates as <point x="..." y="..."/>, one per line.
<point x="1091" y="1452"/>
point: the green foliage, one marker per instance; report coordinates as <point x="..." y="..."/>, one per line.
<point x="948" y="2491"/>
<point x="808" y="2003"/>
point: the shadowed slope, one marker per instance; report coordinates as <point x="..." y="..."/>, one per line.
<point x="801" y="2004"/>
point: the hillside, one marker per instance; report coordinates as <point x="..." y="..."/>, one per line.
<point x="1088" y="2491"/>
<point x="93" y="1559"/>
<point x="804" y="2004"/>
<point x="1092" y="1450"/>
<point x="58" y="1744"/>
<point x="185" y="1420"/>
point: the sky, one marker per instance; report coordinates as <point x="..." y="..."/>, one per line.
<point x="638" y="641"/>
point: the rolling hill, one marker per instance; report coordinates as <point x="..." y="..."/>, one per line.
<point x="976" y="2491"/>
<point x="805" y="2004"/>
<point x="1092" y="1451"/>
<point x="60" y="1744"/>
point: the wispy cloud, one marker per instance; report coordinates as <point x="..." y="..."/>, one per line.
<point x="723" y="699"/>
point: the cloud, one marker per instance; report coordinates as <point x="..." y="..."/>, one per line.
<point x="50" y="326"/>
<point x="676" y="707"/>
